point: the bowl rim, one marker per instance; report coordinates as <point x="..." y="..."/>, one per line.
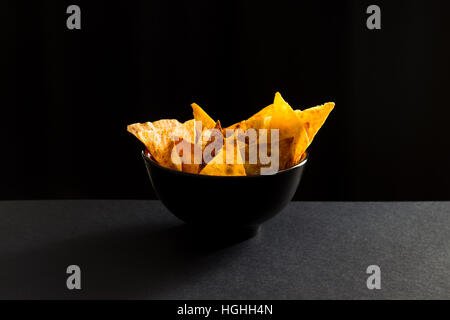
<point x="153" y="162"/>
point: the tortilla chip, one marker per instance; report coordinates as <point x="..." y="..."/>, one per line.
<point x="278" y="115"/>
<point x="158" y="141"/>
<point x="137" y="128"/>
<point x="166" y="124"/>
<point x="189" y="133"/>
<point x="201" y="115"/>
<point x="286" y="120"/>
<point x="313" y="118"/>
<point x="260" y="120"/>
<point x="185" y="136"/>
<point x="188" y="163"/>
<point x="300" y="147"/>
<point x="303" y="157"/>
<point x="265" y="112"/>
<point x="240" y="125"/>
<point x="181" y="146"/>
<point x="282" y="155"/>
<point x="227" y="162"/>
<point x="209" y="138"/>
<point x="284" y="152"/>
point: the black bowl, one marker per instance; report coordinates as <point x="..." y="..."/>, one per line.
<point x="233" y="206"/>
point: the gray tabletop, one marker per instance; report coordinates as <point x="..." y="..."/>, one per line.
<point x="137" y="249"/>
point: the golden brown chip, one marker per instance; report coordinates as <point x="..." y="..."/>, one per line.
<point x="181" y="146"/>
<point x="260" y="120"/>
<point x="299" y="148"/>
<point x="286" y="120"/>
<point x="209" y="140"/>
<point x="313" y="118"/>
<point x="188" y="163"/>
<point x="166" y="124"/>
<point x="185" y="137"/>
<point x="265" y="112"/>
<point x="280" y="154"/>
<point x="158" y="141"/>
<point x="240" y="125"/>
<point x="302" y="158"/>
<point x="185" y="131"/>
<point x="227" y="162"/>
<point x="201" y="115"/>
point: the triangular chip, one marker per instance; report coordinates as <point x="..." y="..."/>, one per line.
<point x="278" y="100"/>
<point x="286" y="120"/>
<point x="300" y="147"/>
<point x="166" y="124"/>
<point x="201" y="115"/>
<point x="259" y="120"/>
<point x="158" y="141"/>
<point x="185" y="137"/>
<point x="282" y="155"/>
<point x="184" y="146"/>
<point x="227" y="162"/>
<point x="313" y="118"/>
<point x="209" y="140"/>
<point x="239" y="125"/>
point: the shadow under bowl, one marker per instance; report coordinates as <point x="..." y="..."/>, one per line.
<point x="224" y="206"/>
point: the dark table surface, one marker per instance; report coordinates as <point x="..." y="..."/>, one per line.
<point x="137" y="249"/>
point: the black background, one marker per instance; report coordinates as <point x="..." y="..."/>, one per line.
<point x="67" y="95"/>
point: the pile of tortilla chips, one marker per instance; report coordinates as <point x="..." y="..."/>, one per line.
<point x="182" y="146"/>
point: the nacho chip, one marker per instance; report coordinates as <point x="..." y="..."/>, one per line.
<point x="166" y="124"/>
<point x="286" y="120"/>
<point x="227" y="162"/>
<point x="265" y="112"/>
<point x="182" y="146"/>
<point x="260" y="120"/>
<point x="185" y="136"/>
<point x="158" y="141"/>
<point x="209" y="141"/>
<point x="313" y="118"/>
<point x="281" y="155"/>
<point x="240" y="125"/>
<point x="278" y="115"/>
<point x="201" y="115"/>
<point x="299" y="148"/>
<point x="188" y="162"/>
<point x="188" y="132"/>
